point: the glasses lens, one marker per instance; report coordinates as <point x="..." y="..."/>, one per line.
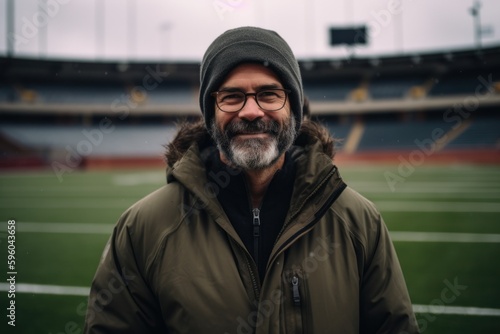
<point x="230" y="101"/>
<point x="272" y="99"/>
<point x="268" y="99"/>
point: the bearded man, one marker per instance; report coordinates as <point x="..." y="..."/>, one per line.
<point x="254" y="230"/>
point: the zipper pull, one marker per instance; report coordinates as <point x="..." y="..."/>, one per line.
<point x="256" y="222"/>
<point x="295" y="290"/>
<point x="256" y="235"/>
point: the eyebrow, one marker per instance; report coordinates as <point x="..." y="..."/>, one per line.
<point x="258" y="88"/>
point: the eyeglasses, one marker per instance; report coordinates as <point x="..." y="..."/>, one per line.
<point x="271" y="99"/>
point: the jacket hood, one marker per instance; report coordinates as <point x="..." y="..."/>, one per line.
<point x="190" y="132"/>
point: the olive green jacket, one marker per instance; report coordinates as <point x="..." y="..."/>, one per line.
<point x="174" y="263"/>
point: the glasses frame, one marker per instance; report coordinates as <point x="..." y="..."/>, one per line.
<point x="286" y="91"/>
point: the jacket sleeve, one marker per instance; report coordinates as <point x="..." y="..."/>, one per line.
<point x="385" y="302"/>
<point x="120" y="299"/>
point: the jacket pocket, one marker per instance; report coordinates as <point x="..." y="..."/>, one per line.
<point x="295" y="302"/>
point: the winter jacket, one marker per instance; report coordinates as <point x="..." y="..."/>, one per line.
<point x="175" y="264"/>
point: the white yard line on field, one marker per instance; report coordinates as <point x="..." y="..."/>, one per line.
<point x="65" y="203"/>
<point x="444" y="237"/>
<point x="400" y="236"/>
<point x="457" y="310"/>
<point x="444" y="186"/>
<point x="437" y="206"/>
<point x="387" y="206"/>
<point x="479" y="197"/>
<point x="44" y="289"/>
<point x="84" y="292"/>
<point x="71" y="228"/>
<point x="138" y="179"/>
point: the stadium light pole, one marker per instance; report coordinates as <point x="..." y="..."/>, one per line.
<point x="164" y="39"/>
<point x="10" y="19"/>
<point x="475" y="12"/>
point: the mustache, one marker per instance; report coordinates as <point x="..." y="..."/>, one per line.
<point x="256" y="126"/>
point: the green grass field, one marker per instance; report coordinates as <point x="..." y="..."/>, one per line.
<point x="445" y="222"/>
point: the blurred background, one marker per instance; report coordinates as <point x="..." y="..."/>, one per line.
<point x="90" y="91"/>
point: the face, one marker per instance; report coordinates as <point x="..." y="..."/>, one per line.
<point x="252" y="138"/>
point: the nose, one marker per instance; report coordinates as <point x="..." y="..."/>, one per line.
<point x="251" y="110"/>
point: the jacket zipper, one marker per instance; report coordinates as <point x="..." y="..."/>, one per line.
<point x="256" y="235"/>
<point x="256" y="288"/>
<point x="295" y="291"/>
<point x="294" y="315"/>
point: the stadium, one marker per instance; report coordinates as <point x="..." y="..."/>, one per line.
<point x="443" y="105"/>
<point x="82" y="140"/>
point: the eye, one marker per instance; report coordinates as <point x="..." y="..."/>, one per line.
<point x="231" y="97"/>
<point x="269" y="95"/>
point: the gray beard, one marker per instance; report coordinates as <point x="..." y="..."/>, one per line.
<point x="254" y="153"/>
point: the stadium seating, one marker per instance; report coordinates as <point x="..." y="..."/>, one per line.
<point x="393" y="87"/>
<point x="458" y="82"/>
<point x="179" y="93"/>
<point x="6" y="93"/>
<point x="371" y="106"/>
<point x="124" y="140"/>
<point x="76" y="93"/>
<point x="330" y="91"/>
<point x="398" y="135"/>
<point x="339" y="131"/>
<point x="482" y="133"/>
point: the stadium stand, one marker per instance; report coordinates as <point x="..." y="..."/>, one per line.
<point x="178" y="93"/>
<point x="73" y="92"/>
<point x="462" y="82"/>
<point x="373" y="105"/>
<point x="6" y="93"/>
<point x="141" y="140"/>
<point x="331" y="91"/>
<point x="481" y="133"/>
<point x="340" y="131"/>
<point x="393" y="87"/>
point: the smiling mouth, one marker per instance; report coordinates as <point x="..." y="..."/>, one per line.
<point x="252" y="134"/>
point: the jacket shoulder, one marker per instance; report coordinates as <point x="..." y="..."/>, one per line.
<point x="147" y="223"/>
<point x="360" y="218"/>
<point x="153" y="209"/>
<point x="352" y="205"/>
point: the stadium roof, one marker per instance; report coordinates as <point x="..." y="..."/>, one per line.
<point x="13" y="69"/>
<point x="16" y="71"/>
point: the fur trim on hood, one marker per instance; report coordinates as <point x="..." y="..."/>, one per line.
<point x="191" y="132"/>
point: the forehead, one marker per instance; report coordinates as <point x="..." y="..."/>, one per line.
<point x="251" y="75"/>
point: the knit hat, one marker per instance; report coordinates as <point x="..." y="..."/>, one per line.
<point x="249" y="45"/>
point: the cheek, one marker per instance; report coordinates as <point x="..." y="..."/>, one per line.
<point x="222" y="118"/>
<point x="283" y="115"/>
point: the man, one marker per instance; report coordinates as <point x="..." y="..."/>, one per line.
<point x="254" y="231"/>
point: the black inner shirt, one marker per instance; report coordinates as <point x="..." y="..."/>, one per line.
<point x="234" y="197"/>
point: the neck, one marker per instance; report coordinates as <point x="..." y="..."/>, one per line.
<point x="258" y="180"/>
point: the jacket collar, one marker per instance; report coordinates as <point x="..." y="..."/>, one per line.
<point x="312" y="153"/>
<point x="316" y="176"/>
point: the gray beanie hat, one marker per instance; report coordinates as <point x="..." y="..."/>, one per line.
<point x="249" y="45"/>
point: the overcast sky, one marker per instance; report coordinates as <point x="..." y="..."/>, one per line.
<point x="181" y="30"/>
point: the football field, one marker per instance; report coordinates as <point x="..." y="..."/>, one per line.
<point x="444" y="221"/>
